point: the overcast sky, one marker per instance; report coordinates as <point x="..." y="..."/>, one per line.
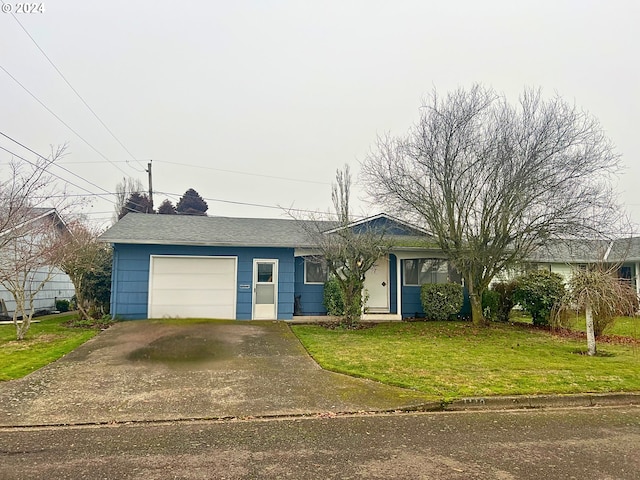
<point x="259" y="102"/>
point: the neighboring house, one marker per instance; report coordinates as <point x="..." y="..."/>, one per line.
<point x="252" y="268"/>
<point x="58" y="286"/>
<point x="621" y="255"/>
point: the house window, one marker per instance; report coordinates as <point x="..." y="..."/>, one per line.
<point x="315" y="270"/>
<point x="418" y="271"/>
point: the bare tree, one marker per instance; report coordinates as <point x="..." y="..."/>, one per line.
<point x="29" y="233"/>
<point x="29" y="184"/>
<point x="494" y="181"/>
<point x="27" y="263"/>
<point x="349" y="253"/>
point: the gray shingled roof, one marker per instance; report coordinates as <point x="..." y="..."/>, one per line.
<point x="141" y="228"/>
<point x="571" y="251"/>
<point x="625" y="249"/>
<point x="138" y="228"/>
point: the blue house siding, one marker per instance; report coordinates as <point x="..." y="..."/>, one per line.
<point x="310" y="295"/>
<point x="382" y="224"/>
<point x="130" y="277"/>
<point x="393" y="284"/>
<point x="412" y="305"/>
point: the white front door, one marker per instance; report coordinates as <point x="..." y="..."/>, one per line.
<point x="376" y="284"/>
<point x="265" y="289"/>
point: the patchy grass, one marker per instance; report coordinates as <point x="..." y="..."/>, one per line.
<point x="45" y="342"/>
<point x="622" y="326"/>
<point x="449" y="360"/>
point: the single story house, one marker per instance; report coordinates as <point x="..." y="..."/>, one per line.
<point x="46" y="283"/>
<point x="255" y="268"/>
<point x="564" y="257"/>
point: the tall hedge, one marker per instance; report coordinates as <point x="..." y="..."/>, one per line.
<point x="440" y="301"/>
<point x="333" y="299"/>
<point x="505" y="291"/>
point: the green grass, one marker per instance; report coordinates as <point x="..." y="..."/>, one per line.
<point x="45" y="342"/>
<point x="622" y="326"/>
<point x="449" y="360"/>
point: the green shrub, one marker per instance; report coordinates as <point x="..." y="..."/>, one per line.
<point x="62" y="305"/>
<point x="333" y="298"/>
<point x="539" y="292"/>
<point x="490" y="304"/>
<point x="505" y="291"/>
<point x="441" y="300"/>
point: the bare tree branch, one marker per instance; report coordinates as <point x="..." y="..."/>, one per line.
<point x="494" y="181"/>
<point x="349" y="254"/>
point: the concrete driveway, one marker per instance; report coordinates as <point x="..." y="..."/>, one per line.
<point x="161" y="370"/>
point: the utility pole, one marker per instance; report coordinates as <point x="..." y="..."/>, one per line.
<point x="150" y="184"/>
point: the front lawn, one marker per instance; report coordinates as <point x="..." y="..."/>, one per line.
<point x="623" y="326"/>
<point x="45" y="342"/>
<point x="449" y="360"/>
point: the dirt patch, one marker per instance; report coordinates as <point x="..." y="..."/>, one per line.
<point x="17" y="345"/>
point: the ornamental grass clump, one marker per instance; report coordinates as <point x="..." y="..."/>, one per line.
<point x="602" y="296"/>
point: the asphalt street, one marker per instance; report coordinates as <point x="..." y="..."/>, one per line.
<point x="577" y="443"/>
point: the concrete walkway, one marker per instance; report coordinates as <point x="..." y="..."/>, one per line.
<point x="152" y="370"/>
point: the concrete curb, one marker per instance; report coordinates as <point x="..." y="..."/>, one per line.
<point x="544" y="401"/>
<point x="464" y="404"/>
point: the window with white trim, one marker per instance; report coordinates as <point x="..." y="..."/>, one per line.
<point x="418" y="271"/>
<point x="315" y="270"/>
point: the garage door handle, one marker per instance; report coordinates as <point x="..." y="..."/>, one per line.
<point x="384" y="284"/>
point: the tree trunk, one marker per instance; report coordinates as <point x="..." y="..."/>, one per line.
<point x="591" y="337"/>
<point x="477" y="316"/>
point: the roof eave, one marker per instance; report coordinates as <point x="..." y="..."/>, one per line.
<point x="195" y="244"/>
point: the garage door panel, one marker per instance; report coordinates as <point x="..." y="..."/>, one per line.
<point x="203" y="287"/>
<point x="192" y="265"/>
<point x="190" y="282"/>
<point x="195" y="311"/>
<point x="193" y="297"/>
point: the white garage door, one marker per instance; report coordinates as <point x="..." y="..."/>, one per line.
<point x="195" y="287"/>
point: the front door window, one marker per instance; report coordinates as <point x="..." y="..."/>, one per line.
<point x="265" y="288"/>
<point x="264" y="285"/>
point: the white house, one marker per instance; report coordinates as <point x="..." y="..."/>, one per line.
<point x="33" y="227"/>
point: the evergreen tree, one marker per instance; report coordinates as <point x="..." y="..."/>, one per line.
<point x="191" y="203"/>
<point x="167" y="208"/>
<point x="137" y="202"/>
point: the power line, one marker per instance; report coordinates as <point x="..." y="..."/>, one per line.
<point x="235" y="202"/>
<point x="244" y="173"/>
<point x="60" y="120"/>
<point x="36" y="166"/>
<point x="44" y="158"/>
<point x="92" y="194"/>
<point x="72" y="88"/>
